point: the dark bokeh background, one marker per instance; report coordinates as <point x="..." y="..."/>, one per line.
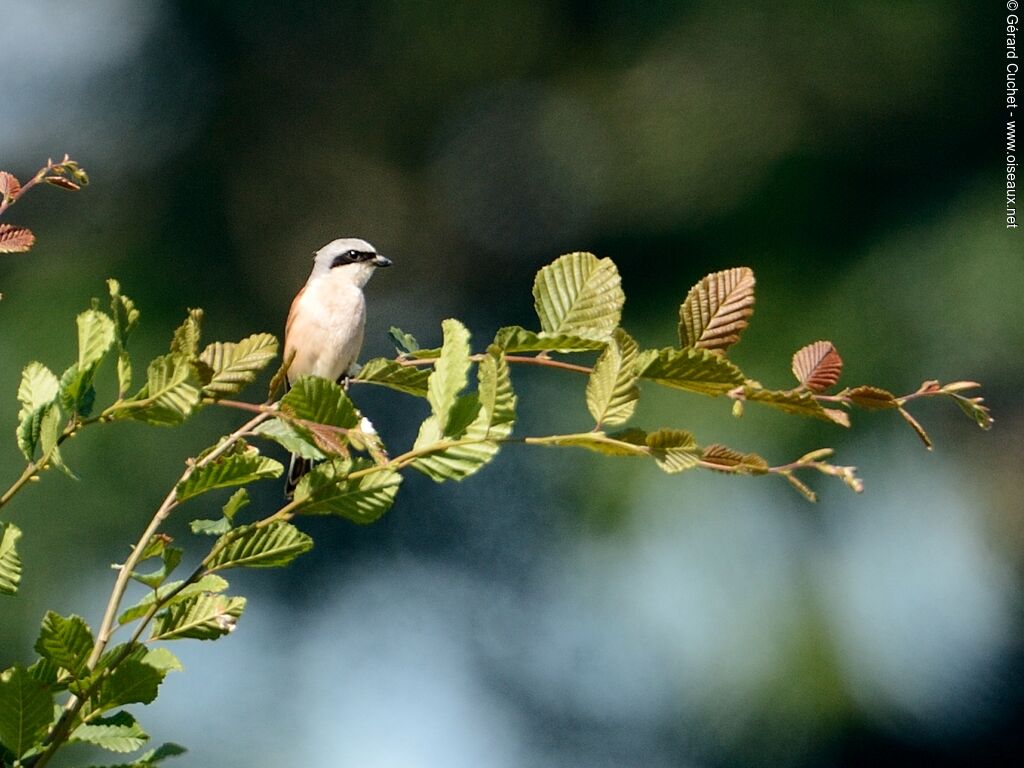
<point x="559" y="609"/>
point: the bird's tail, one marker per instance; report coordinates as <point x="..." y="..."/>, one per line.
<point x="298" y="467"/>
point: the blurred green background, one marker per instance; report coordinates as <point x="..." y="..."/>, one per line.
<point x="559" y="609"/>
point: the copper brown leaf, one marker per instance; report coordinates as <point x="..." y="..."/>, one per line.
<point x="917" y="428"/>
<point x="9" y="186"/>
<point x="724" y="459"/>
<point x="817" y="366"/>
<point x="796" y="401"/>
<point x="15" y="239"/>
<point x="62" y="182"/>
<point x="872" y="398"/>
<point x="716" y="309"/>
<point x="328" y="439"/>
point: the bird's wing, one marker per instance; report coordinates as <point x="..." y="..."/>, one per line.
<point x="292" y="311"/>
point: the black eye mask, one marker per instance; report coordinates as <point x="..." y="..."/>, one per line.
<point x="352" y="257"/>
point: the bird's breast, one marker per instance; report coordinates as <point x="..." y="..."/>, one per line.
<point x="326" y="329"/>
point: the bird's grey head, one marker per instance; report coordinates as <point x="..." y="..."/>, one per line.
<point x="350" y="256"/>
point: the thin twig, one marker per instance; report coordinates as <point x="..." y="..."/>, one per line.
<point x="546" y="362"/>
<point x="169" y="503"/>
<point x="74" y="704"/>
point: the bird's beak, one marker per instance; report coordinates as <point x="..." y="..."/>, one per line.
<point x="381" y="261"/>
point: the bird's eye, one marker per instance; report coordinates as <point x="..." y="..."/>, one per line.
<point x="352" y="255"/>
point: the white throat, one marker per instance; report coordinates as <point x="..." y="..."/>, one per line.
<point x="357" y="274"/>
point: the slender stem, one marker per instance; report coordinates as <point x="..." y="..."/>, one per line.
<point x="30" y="472"/>
<point x="33" y="468"/>
<point x="243" y="406"/>
<point x="6" y="203"/>
<point x="169" y="503"/>
<point x="546" y="362"/>
<point x="74" y="704"/>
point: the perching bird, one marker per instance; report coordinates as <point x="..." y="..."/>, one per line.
<point x="325" y="325"/>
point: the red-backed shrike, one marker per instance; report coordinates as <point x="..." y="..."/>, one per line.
<point x="325" y="325"/>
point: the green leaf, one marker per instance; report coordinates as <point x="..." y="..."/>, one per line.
<point x="598" y="442"/>
<point x="252" y="546"/>
<point x="233" y="366"/>
<point x="133" y="681"/>
<point x="46" y="672"/>
<point x="96" y="335"/>
<point x="67" y="642"/>
<point x="497" y="400"/>
<point x="162" y="752"/>
<point x="579" y="295"/>
<point x="238" y="500"/>
<point x="448" y="378"/>
<point x="170" y="557"/>
<point x="227" y="471"/>
<point x="124" y="373"/>
<point x="797" y="402"/>
<point x="974" y="409"/>
<point x="114" y="656"/>
<point x="37" y="394"/>
<point x="694" y="370"/>
<point x="210" y="527"/>
<point x="126" y="317"/>
<point x="320" y="401"/>
<point x="404" y="342"/>
<point x="10" y="561"/>
<point x="515" y="339"/>
<point x="210" y="583"/>
<point x="119" y="733"/>
<point x="328" y="490"/>
<point x="203" y="617"/>
<point x="50" y="427"/>
<point x="611" y="390"/>
<point x="464" y="448"/>
<point x="152" y="758"/>
<point x="40" y="429"/>
<point x="77" y="393"/>
<point x="163" y="660"/>
<point x="39" y="387"/>
<point x="426" y="354"/>
<point x="185" y="341"/>
<point x="453" y="458"/>
<point x="123" y="310"/>
<point x="674" y="450"/>
<point x="26" y="710"/>
<point x="388" y="373"/>
<point x="158" y="755"/>
<point x="169" y="396"/>
<point x="292" y="437"/>
<point x="716" y="309"/>
<point x="155" y="547"/>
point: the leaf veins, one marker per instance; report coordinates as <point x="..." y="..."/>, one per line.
<point x="9" y="186"/>
<point x="716" y="309"/>
<point x="817" y="366"/>
<point x="15" y="239"/>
